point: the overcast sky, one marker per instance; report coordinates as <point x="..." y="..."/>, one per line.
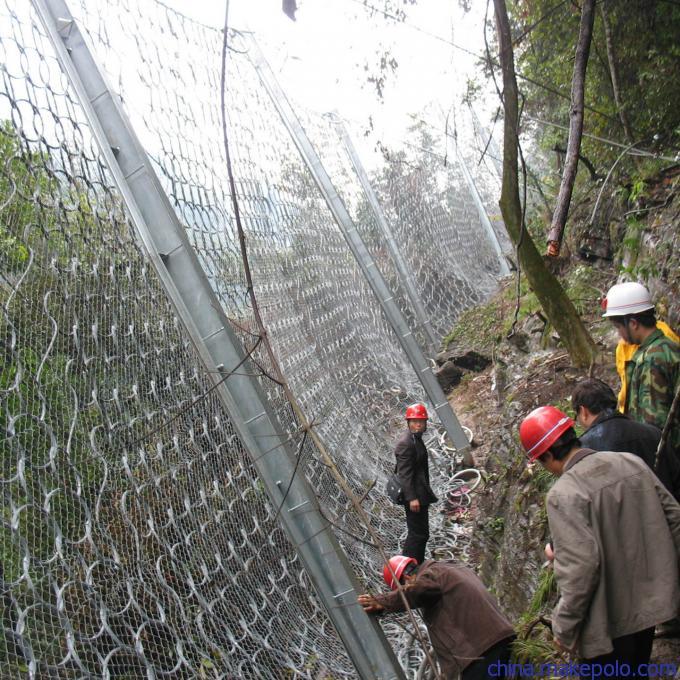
<point x="320" y="57"/>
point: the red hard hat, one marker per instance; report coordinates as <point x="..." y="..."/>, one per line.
<point x="398" y="564"/>
<point x="416" y="412"/>
<point x="542" y="428"/>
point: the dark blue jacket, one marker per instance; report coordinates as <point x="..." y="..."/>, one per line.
<point x="612" y="431"/>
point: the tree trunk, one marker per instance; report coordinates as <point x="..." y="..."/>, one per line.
<point x="578" y="85"/>
<point x="557" y="306"/>
<point x="614" y="74"/>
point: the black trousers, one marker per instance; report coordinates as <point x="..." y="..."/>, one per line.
<point x="499" y="655"/>
<point x="418" y="525"/>
<point x="633" y="650"/>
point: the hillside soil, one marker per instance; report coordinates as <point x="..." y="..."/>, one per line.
<point x="527" y="367"/>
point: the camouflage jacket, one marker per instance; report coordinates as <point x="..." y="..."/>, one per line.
<point x="653" y="375"/>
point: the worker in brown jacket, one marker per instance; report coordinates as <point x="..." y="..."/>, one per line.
<point x="616" y="536"/>
<point x="467" y="629"/>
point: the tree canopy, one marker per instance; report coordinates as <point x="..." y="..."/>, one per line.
<point x="635" y="50"/>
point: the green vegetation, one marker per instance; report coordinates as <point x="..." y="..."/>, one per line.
<point x="542" y="480"/>
<point x="495" y="524"/>
<point x="485" y="326"/>
<point x="643" y="54"/>
<point x="478" y="327"/>
<point x="585" y="287"/>
<point x="544" y="595"/>
<point x="533" y="644"/>
<point x="538" y="484"/>
<point x="533" y="650"/>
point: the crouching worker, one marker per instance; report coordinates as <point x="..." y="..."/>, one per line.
<point x="467" y="629"/>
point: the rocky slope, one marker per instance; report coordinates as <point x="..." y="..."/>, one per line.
<point x="635" y="235"/>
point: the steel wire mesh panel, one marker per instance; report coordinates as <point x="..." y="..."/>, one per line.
<point x="325" y="136"/>
<point x="136" y="539"/>
<point x="484" y="159"/>
<point x="343" y="362"/>
<point x="434" y="220"/>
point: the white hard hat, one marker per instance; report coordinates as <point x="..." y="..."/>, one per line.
<point x="627" y="298"/>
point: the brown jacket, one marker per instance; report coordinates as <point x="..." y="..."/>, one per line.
<point x="462" y="618"/>
<point x="616" y="534"/>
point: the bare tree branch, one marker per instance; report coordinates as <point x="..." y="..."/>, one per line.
<point x="575" y="128"/>
<point x="594" y="175"/>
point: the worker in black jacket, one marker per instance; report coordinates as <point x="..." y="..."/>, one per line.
<point x="413" y="471"/>
<point x="594" y="404"/>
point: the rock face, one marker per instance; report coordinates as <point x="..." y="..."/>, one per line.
<point x="454" y="364"/>
<point x="509" y="558"/>
<point x="467" y="359"/>
<point x="448" y="375"/>
<point x="640" y="230"/>
<point x="649" y="250"/>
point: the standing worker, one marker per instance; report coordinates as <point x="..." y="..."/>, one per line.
<point x="414" y="473"/>
<point x="594" y="404"/>
<point x="467" y="629"/>
<point x="616" y="536"/>
<point x="647" y="357"/>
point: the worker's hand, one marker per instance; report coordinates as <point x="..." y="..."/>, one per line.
<point x="561" y="647"/>
<point x="370" y="604"/>
<point x="414" y="505"/>
<point x="549" y="552"/>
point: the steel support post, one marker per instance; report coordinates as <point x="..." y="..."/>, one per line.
<point x="199" y="309"/>
<point x="486" y="223"/>
<point x="403" y="269"/>
<point x="496" y="161"/>
<point x="363" y="257"/>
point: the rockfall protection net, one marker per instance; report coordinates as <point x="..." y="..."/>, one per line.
<point x="137" y="540"/>
<point x="430" y="213"/>
<point x="483" y="159"/>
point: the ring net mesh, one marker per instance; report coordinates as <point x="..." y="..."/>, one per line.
<point x="137" y="540"/>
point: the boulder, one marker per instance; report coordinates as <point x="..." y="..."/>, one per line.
<point x="449" y="375"/>
<point x="469" y="360"/>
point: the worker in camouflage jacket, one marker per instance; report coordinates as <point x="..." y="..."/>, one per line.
<point x="653" y="372"/>
<point x="653" y="376"/>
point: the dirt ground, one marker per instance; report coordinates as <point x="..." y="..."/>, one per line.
<point x="667" y="650"/>
<point x="506" y="516"/>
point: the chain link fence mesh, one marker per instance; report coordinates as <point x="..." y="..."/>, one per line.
<point x="137" y="540"/>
